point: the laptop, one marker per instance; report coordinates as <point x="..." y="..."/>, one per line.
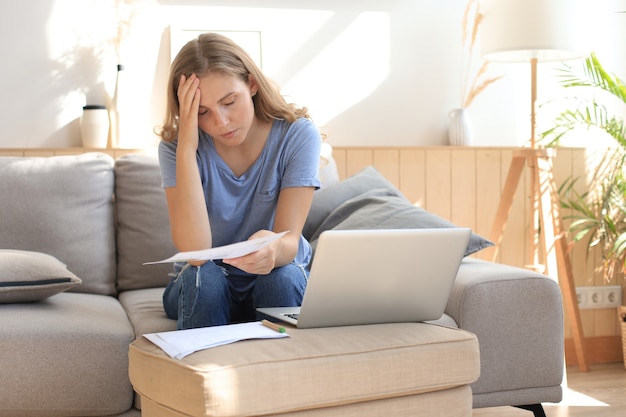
<point x="378" y="276"/>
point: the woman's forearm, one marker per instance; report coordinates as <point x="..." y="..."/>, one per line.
<point x="191" y="229"/>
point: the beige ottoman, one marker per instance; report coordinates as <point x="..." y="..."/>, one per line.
<point x="404" y="369"/>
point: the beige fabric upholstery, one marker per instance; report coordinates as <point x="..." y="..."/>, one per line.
<point x="450" y="402"/>
<point x="313" y="369"/>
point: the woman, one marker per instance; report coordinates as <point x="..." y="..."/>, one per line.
<point x="237" y="162"/>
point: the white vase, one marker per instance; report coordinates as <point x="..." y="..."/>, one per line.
<point x="460" y="132"/>
<point x="94" y="126"/>
<point x="117" y="114"/>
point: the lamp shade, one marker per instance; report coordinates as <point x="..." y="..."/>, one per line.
<point x="518" y="30"/>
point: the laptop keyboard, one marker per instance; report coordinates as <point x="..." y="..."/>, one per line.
<point x="292" y="315"/>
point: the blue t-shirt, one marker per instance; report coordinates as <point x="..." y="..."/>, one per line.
<point x="241" y="206"/>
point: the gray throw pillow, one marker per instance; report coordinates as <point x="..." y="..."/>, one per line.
<point x="383" y="209"/>
<point x="32" y="276"/>
<point x="326" y="200"/>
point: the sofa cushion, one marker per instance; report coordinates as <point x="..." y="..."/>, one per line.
<point x="143" y="227"/>
<point x="314" y="368"/>
<point x="370" y="202"/>
<point x="32" y="276"/>
<point x="145" y="311"/>
<point x="65" y="355"/>
<point x="62" y="206"/>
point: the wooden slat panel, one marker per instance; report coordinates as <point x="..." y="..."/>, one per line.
<point x="9" y="152"/>
<point x="583" y="265"/>
<point x="387" y="161"/>
<point x="413" y="175"/>
<point x="600" y="322"/>
<point x="463" y="185"/>
<point x="488" y="186"/>
<point x="438" y="182"/>
<point x="600" y="349"/>
<point x="38" y="152"/>
<point x="563" y="170"/>
<point x="513" y="249"/>
<point x="76" y="151"/>
<point x="357" y="159"/>
<point x="45" y="152"/>
<point x="339" y="155"/>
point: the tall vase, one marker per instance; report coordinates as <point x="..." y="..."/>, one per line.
<point x="116" y="114"/>
<point x="461" y="132"/>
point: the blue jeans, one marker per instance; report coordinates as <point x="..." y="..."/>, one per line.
<point x="208" y="295"/>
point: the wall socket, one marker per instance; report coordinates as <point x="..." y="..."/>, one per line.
<point x="605" y="296"/>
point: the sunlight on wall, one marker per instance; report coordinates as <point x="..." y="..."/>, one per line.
<point x="286" y="37"/>
<point x="77" y="49"/>
<point x="350" y="64"/>
<point x="340" y="86"/>
<point x="327" y="61"/>
<point x="81" y="64"/>
<point x="346" y="62"/>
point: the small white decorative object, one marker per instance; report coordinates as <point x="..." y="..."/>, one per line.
<point x="94" y="126"/>
<point x="461" y="132"/>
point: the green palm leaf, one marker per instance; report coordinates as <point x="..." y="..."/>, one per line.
<point x="598" y="215"/>
<point x="588" y="112"/>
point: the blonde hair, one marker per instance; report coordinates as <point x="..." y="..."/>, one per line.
<point x="212" y="52"/>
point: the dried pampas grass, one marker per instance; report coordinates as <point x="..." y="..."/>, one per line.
<point x="471" y="25"/>
<point x="125" y="12"/>
<point x="481" y="82"/>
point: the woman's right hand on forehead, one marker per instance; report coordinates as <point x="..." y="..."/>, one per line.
<point x="188" y="104"/>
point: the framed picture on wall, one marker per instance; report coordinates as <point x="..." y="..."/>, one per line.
<point x="250" y="40"/>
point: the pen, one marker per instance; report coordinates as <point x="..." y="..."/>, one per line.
<point x="273" y="326"/>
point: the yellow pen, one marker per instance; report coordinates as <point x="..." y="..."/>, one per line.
<point x="273" y="326"/>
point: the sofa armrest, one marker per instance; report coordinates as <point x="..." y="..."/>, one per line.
<point x="517" y="316"/>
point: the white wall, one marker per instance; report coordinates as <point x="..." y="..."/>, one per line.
<point x="371" y="72"/>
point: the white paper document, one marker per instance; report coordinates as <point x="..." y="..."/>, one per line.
<point x="180" y="343"/>
<point x="234" y="250"/>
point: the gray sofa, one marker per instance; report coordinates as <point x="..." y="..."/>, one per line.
<point x="74" y="293"/>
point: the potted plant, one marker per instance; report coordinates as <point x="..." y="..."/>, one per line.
<point x="598" y="218"/>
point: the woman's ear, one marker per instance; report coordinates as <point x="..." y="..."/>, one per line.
<point x="252" y="85"/>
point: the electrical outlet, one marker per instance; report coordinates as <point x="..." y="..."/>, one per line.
<point x="605" y="296"/>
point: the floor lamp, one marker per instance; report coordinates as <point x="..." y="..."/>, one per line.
<point x="532" y="31"/>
